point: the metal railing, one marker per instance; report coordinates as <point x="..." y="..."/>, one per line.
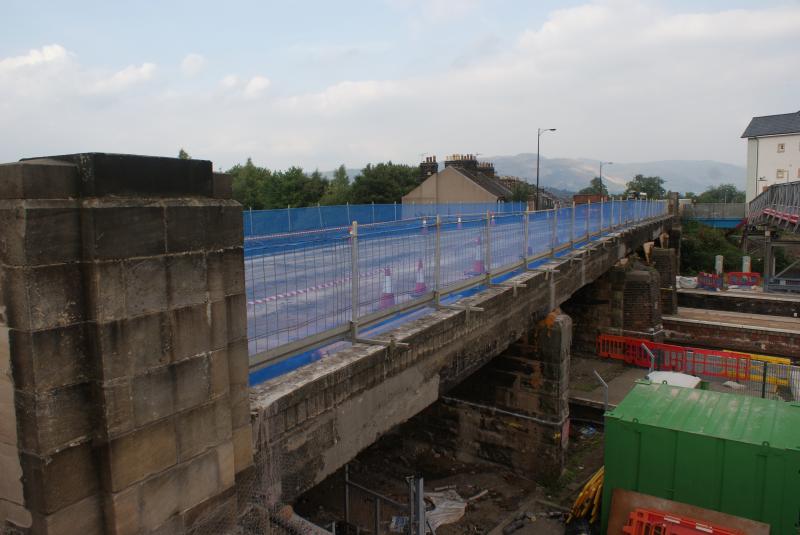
<point x="308" y="288"/>
<point x="778" y="206"/>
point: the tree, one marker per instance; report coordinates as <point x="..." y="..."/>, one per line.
<point x="384" y="183"/>
<point x="653" y="186"/>
<point x="294" y="188"/>
<point x="338" y="190"/>
<point x="183" y="155"/>
<point x="249" y="184"/>
<point x="596" y="187"/>
<point x="521" y="192"/>
<point x="722" y="193"/>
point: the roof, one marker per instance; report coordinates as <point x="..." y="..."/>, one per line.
<point x="733" y="417"/>
<point x="773" y="125"/>
<point x="492" y="185"/>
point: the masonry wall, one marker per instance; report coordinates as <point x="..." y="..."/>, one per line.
<point x="124" y="325"/>
<point x="515" y="410"/>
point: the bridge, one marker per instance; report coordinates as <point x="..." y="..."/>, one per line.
<point x="716" y="215"/>
<point x="775" y="215"/>
<point x="168" y="377"/>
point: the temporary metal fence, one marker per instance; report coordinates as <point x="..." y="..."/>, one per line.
<point x="746" y="373"/>
<point x="308" y="288"/>
<point x="260" y="223"/>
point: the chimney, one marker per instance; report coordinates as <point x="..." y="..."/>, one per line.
<point x="464" y="161"/>
<point x="487" y="168"/>
<point x="428" y="167"/>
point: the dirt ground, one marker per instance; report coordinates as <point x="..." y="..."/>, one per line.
<point x="384" y="467"/>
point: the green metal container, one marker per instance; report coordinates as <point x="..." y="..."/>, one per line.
<point x="727" y="452"/>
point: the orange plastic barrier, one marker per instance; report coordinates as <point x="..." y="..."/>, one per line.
<point x="692" y="360"/>
<point x="650" y="522"/>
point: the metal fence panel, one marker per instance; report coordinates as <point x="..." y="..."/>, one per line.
<point x="301" y="285"/>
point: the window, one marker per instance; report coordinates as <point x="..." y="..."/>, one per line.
<point x="781" y="147"/>
<point x="781" y="173"/>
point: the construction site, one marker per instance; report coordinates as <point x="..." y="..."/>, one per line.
<point x="441" y="368"/>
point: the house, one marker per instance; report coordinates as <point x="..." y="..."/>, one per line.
<point x="773" y="151"/>
<point x="463" y="180"/>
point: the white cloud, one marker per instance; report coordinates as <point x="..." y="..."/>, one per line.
<point x="256" y="86"/>
<point x="34" y="57"/>
<point x="622" y="80"/>
<point x="123" y="79"/>
<point x="193" y="64"/>
<point x="229" y="81"/>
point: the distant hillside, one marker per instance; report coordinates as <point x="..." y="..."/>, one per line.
<point x="573" y="174"/>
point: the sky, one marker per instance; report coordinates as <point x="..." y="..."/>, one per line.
<point x="321" y="83"/>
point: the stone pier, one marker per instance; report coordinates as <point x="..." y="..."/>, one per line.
<point x="123" y="355"/>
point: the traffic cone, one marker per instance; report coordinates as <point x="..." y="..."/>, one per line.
<point x="477" y="265"/>
<point x="420" y="287"/>
<point x="387" y="295"/>
<point x="459" y="222"/>
<point x="424" y="226"/>
<point x="492" y="218"/>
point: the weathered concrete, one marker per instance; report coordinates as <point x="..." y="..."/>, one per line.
<point x="123" y="363"/>
<point x="740" y="301"/>
<point x="310" y="422"/>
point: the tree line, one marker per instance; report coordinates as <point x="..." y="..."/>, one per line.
<point x="260" y="188"/>
<point x="653" y="186"/>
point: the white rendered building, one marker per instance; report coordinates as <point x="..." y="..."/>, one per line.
<point x="773" y="151"/>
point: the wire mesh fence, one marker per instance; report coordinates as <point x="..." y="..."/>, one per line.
<point x="283" y="221"/>
<point x="302" y="287"/>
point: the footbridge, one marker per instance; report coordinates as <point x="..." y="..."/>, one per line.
<point x="775" y="215"/>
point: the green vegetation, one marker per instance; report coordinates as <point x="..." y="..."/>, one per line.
<point x="261" y="188"/>
<point x="723" y="193"/>
<point x="700" y="244"/>
<point x="653" y="186"/>
<point x="183" y="155"/>
<point x="596" y="187"/>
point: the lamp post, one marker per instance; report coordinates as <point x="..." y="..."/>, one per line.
<point x="601" y="175"/>
<point x="539" y="132"/>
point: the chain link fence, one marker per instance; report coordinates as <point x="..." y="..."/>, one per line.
<point x="306" y="288"/>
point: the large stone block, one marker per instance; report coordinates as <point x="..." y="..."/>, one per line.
<point x="82" y="518"/>
<point x="105" y="290"/>
<point x="42" y="297"/>
<point x="132" y="346"/>
<point x="135" y="456"/>
<point x="203" y="428"/>
<point x="39" y="232"/>
<point x="224" y="225"/>
<point x="40" y="179"/>
<point x="186" y="274"/>
<point x="154" y="395"/>
<point x="191" y="331"/>
<point x="160" y="498"/>
<point x="56" y="481"/>
<point x="145" y="286"/>
<point x="114" y="230"/>
<point x="139" y="176"/>
<point x="192" y="382"/>
<point x="50" y="358"/>
<point x="54" y="419"/>
<point x="122" y="512"/>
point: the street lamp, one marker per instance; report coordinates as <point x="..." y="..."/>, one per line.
<point x="539" y="132"/>
<point x="601" y="176"/>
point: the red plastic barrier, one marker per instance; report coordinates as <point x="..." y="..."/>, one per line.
<point x="743" y="278"/>
<point x="652" y="522"/>
<point x="692" y="360"/>
<point x="709" y="281"/>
